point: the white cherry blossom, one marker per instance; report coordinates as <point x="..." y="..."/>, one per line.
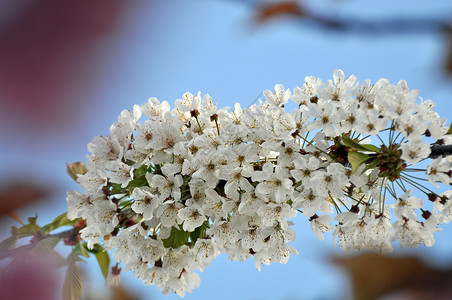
<point x="169" y="193"/>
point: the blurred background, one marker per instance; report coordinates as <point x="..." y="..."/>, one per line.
<point x="68" y="68"/>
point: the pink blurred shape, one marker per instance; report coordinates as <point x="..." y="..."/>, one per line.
<point x="30" y="277"/>
<point x="43" y="56"/>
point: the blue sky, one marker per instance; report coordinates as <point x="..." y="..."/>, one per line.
<point x="164" y="50"/>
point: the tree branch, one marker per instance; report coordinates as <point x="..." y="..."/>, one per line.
<point x="25" y="248"/>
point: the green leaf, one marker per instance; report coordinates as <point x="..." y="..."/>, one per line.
<point x="357" y="159"/>
<point x="9" y="243"/>
<point x="33" y="220"/>
<point x="22" y="232"/>
<point x="73" y="286"/>
<point x="137" y="182"/>
<point x="80" y="249"/>
<point x="117" y="189"/>
<point x="26" y="230"/>
<point x="354" y="145"/>
<point x="96" y="248"/>
<point x="370" y="147"/>
<point x="58" y="222"/>
<point x="450" y="129"/>
<point x="46" y="245"/>
<point x="198" y="233"/>
<point x="125" y="203"/>
<point x="140" y="172"/>
<point x="103" y="259"/>
<point x="372" y="165"/>
<point x="176" y="239"/>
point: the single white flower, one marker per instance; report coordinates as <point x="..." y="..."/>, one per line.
<point x="191" y="217"/>
<point x="320" y="225"/>
<point x="279" y="97"/>
<point x="120" y="173"/>
<point x="145" y="202"/>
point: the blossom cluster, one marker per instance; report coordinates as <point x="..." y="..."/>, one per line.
<point x="169" y="193"/>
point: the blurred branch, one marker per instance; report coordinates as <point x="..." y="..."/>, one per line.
<point x="266" y="11"/>
<point x="269" y="10"/>
<point x="28" y="247"/>
<point x="374" y="276"/>
<point x="20" y="193"/>
<point x="379" y="27"/>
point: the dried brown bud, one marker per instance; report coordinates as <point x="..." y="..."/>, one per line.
<point x="194" y="113"/>
<point x="432" y="197"/>
<point x="79" y="225"/>
<point x="426" y="214"/>
<point x="76" y="169"/>
<point x="315" y="216"/>
<point x="115" y="270"/>
<point x="214" y="117"/>
<point x="354" y="209"/>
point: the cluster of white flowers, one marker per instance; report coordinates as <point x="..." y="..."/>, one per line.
<point x="172" y="192"/>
